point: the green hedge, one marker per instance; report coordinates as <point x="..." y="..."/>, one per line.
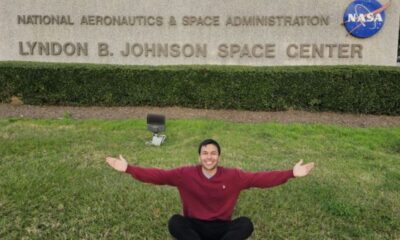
<point x="356" y="89"/>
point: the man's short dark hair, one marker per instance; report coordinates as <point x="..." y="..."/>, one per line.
<point x="210" y="141"/>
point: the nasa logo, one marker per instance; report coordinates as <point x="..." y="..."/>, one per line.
<point x="364" y="18"/>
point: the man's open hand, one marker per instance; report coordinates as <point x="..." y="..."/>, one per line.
<point x="300" y="170"/>
<point x="119" y="164"/>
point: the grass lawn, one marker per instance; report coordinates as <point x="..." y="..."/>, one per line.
<point x="55" y="184"/>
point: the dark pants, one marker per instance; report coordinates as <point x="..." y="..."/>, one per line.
<point x="183" y="228"/>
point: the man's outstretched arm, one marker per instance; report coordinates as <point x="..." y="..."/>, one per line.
<point x="148" y="175"/>
<point x="265" y="179"/>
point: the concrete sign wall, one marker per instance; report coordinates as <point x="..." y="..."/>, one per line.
<point x="169" y="32"/>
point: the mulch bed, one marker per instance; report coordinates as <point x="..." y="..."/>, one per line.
<point x="358" y="120"/>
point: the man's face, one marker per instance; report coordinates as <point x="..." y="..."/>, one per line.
<point x="209" y="157"/>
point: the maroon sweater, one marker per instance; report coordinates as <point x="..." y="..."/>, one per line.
<point x="209" y="199"/>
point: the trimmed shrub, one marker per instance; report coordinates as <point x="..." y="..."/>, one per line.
<point x="354" y="89"/>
